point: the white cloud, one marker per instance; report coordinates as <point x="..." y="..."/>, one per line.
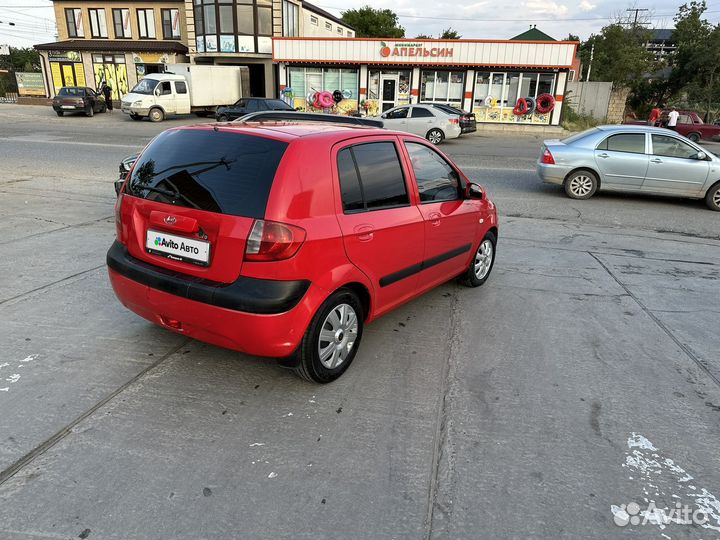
<point x="586" y="6"/>
<point x="545" y="8"/>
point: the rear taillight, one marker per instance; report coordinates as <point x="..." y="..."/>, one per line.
<point x="272" y="241"/>
<point x="548" y="158"/>
<point x="454" y="120"/>
<point x="118" y="217"/>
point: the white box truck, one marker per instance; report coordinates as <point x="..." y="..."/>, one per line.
<point x="184" y="89"/>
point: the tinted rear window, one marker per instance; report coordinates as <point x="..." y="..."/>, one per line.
<point x="216" y="171"/>
<point x="71" y="92"/>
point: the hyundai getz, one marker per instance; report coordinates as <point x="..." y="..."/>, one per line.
<point x="284" y="240"/>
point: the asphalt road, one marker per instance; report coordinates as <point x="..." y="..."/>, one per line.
<point x="584" y="376"/>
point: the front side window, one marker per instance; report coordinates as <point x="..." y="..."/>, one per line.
<point x="625" y="142"/>
<point x="98" y="24"/>
<point x="402" y="112"/>
<point x="121" y="23"/>
<point x="165" y="89"/>
<point x="436" y="180"/>
<point x="379" y="176"/>
<point x="171" y="23"/>
<point x="73" y="17"/>
<point x="146" y="23"/>
<point x="666" y="146"/>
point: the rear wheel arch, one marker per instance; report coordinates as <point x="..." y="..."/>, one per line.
<point x="712" y="189"/>
<point x="362" y="292"/>
<point x="588" y="169"/>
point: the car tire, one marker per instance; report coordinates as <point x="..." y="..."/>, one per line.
<point x="90" y="111"/>
<point x="103" y="108"/>
<point x="694" y="137"/>
<point x="712" y="198"/>
<point x="156" y="115"/>
<point x="581" y="184"/>
<point x="222" y="118"/>
<point x="435" y="136"/>
<point x="482" y="262"/>
<point x="329" y="334"/>
<point x="136" y="117"/>
<point x="59" y="113"/>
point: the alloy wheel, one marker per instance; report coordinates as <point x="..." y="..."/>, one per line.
<point x="716" y="198"/>
<point x="581" y="185"/>
<point x="337" y="336"/>
<point x="483" y="259"/>
<point x="435" y="136"/>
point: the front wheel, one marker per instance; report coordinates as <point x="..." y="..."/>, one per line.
<point x="332" y="339"/>
<point x="482" y="263"/>
<point x="222" y="118"/>
<point x="59" y="113"/>
<point x="90" y="111"/>
<point x="435" y="136"/>
<point x="581" y="185"/>
<point x="712" y="199"/>
<point x="156" y="115"/>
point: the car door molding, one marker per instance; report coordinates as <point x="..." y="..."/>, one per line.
<point x="419" y="267"/>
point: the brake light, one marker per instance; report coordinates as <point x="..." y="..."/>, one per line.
<point x="454" y="120"/>
<point x="272" y="241"/>
<point x="118" y="216"/>
<point x="548" y="158"/>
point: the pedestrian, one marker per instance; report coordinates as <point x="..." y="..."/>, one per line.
<point x="107" y="92"/>
<point x="672" y="119"/>
<point x="655" y="115"/>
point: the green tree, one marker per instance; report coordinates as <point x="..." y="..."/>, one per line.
<point x="21" y="59"/>
<point x="371" y="22"/>
<point x="619" y="54"/>
<point x="572" y="37"/>
<point x="449" y="33"/>
<point x="423" y="36"/>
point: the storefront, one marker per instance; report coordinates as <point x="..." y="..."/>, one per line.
<point x="512" y="82"/>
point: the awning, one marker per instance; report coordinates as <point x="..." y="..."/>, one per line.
<point x="107" y="45"/>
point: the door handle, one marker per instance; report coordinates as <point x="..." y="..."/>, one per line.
<point x="434" y="219"/>
<point x="656" y="160"/>
<point x="603" y="155"/>
<point x="364" y="232"/>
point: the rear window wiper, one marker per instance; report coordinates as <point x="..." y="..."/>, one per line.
<point x="172" y="195"/>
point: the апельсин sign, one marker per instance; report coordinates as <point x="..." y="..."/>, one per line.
<point x="414" y="49"/>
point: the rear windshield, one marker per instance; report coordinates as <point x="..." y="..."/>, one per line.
<point x="580" y="136"/>
<point x="210" y="170"/>
<point x="71" y="92"/>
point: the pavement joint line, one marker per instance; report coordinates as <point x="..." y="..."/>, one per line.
<point x="441" y="423"/>
<point x="659" y="323"/>
<point x="99" y="199"/>
<point x="83" y="224"/>
<point x="43" y="447"/>
<point x="49" y="285"/>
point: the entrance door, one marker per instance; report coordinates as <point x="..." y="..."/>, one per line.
<point x="68" y="75"/>
<point x="389" y="85"/>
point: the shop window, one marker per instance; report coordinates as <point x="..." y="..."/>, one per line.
<point x="442" y="86"/>
<point x="306" y="81"/>
<point x="171" y="23"/>
<point x="111" y="68"/>
<point x="121" y="23"/>
<point x="291" y="23"/>
<point x="146" y="23"/>
<point x="73" y="17"/>
<point x="98" y="24"/>
<point x="496" y="93"/>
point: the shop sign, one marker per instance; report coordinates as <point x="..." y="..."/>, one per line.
<point x="150" y="58"/>
<point x="30" y="84"/>
<point x="414" y="49"/>
<point x="64" y="56"/>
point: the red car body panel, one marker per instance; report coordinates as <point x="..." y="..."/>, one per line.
<point x="692" y="124"/>
<point x="339" y="249"/>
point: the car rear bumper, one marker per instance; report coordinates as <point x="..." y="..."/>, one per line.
<point x="255" y="316"/>
<point x="68" y="108"/>
<point x="552" y="174"/>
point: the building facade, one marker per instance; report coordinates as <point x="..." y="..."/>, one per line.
<point x="118" y="41"/>
<point x="373" y="75"/>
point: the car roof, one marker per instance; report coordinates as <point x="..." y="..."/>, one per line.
<point x="635" y="128"/>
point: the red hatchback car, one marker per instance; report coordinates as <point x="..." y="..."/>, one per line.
<point x="283" y="240"/>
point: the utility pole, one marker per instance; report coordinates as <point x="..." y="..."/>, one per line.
<point x="592" y="53"/>
<point x="637" y="11"/>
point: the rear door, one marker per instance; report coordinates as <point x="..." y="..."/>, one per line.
<point x="382" y="228"/>
<point x="451" y="221"/>
<point x="193" y="196"/>
<point x="182" y="98"/>
<point x="622" y="160"/>
<point x="674" y="169"/>
<point x="420" y="121"/>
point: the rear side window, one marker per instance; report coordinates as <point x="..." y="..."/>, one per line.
<point x="371" y="171"/>
<point x="624" y="142"/>
<point x="420" y="112"/>
<point x="180" y="87"/>
<point x="210" y="170"/>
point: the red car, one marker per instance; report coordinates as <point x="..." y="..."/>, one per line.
<point x="283" y="240"/>
<point x="689" y="124"/>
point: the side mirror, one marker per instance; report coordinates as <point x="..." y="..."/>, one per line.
<point x="383" y="115"/>
<point x="473" y="191"/>
<point x="701" y="156"/>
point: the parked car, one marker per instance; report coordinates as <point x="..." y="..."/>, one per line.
<point x="250" y="105"/>
<point x="634" y="159"/>
<point x="468" y="124"/>
<point x="427" y="121"/>
<point x="78" y="99"/>
<point x="285" y="240"/>
<point x="297" y="116"/>
<point x="125" y="166"/>
<point x="689" y="124"/>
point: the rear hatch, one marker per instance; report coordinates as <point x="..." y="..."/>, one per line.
<point x="70" y="97"/>
<point x="193" y="196"/>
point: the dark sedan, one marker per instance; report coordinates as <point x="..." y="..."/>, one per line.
<point x="250" y="105"/>
<point x="78" y="99"/>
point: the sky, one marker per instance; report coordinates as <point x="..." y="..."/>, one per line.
<point x="473" y="19"/>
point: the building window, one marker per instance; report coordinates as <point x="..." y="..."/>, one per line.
<point x="328" y="26"/>
<point x="98" y="25"/>
<point x="73" y="16"/>
<point x="442" y="86"/>
<point x="349" y="33"/>
<point x="306" y="81"/>
<point x="233" y="26"/>
<point x="339" y="30"/>
<point x="313" y="20"/>
<point x="170" y="23"/>
<point x="121" y="23"/>
<point x="291" y="25"/>
<point x="146" y="23"/>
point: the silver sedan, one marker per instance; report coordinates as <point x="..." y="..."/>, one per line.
<point x="427" y="121"/>
<point x="638" y="159"/>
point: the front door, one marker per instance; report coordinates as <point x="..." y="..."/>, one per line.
<point x="622" y="161"/>
<point x="451" y="221"/>
<point x="674" y="169"/>
<point x="166" y="97"/>
<point x="389" y="84"/>
<point x="68" y="75"/>
<point x="382" y="230"/>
